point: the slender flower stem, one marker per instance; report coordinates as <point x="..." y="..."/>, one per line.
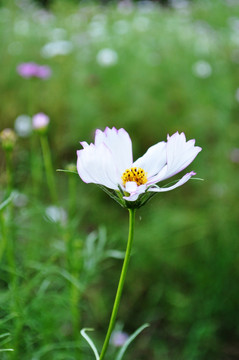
<point x="121" y="283"/>
<point x="48" y="167"/>
<point x="9" y="171"/>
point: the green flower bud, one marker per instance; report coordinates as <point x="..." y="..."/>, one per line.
<point x="8" y="139"/>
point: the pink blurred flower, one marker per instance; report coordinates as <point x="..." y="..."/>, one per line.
<point x="40" y="121"/>
<point x="118" y="338"/>
<point x="30" y="69"/>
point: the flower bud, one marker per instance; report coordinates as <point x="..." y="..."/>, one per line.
<point x="8" y="139"/>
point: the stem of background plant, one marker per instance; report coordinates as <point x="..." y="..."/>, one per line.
<point x="72" y="195"/>
<point x="7" y="230"/>
<point x="121" y="283"/>
<point x="9" y="171"/>
<point x="48" y="167"/>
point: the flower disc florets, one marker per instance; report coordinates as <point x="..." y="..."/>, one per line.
<point x="135" y="174"/>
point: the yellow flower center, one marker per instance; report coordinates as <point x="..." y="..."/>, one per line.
<point x="135" y="174"/>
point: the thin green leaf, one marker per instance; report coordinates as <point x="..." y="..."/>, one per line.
<point x="2" y="350"/>
<point x="67" y="171"/>
<point x="90" y="342"/>
<point x="72" y="279"/>
<point x="4" y="335"/>
<point x="115" y="254"/>
<point x="174" y="182"/>
<point x="130" y="339"/>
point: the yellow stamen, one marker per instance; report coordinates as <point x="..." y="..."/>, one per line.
<point x="135" y="174"/>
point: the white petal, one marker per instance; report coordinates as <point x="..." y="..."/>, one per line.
<point x="153" y="160"/>
<point x="161" y="175"/>
<point x="182" y="181"/>
<point x="84" y="144"/>
<point x="135" y="194"/>
<point x="131" y="186"/>
<point x="179" y="154"/>
<point x="95" y="165"/>
<point x="120" y="146"/>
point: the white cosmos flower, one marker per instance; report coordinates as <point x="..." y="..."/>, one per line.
<point x="109" y="162"/>
<point x="107" y="57"/>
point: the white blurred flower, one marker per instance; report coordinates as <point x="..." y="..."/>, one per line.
<point x="21" y="27"/>
<point x="125" y="7"/>
<point x="202" y="69"/>
<point x="234" y="155"/>
<point x="60" y="47"/>
<point x="234" y="38"/>
<point x="56" y="214"/>
<point x="58" y="34"/>
<point x="121" y="27"/>
<point x="101" y="18"/>
<point x="43" y="16"/>
<point x="23" y="125"/>
<point x="146" y="6"/>
<point x="235" y="56"/>
<point x="19" y="199"/>
<point x="141" y="23"/>
<point x="97" y="29"/>
<point x="107" y="57"/>
<point x="233" y="22"/>
<point x="237" y="94"/>
<point x="232" y="2"/>
<point x="40" y="121"/>
<point x="179" y="4"/>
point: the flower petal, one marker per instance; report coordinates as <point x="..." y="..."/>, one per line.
<point x="182" y="181"/>
<point x="180" y="153"/>
<point x="95" y="165"/>
<point x="153" y="160"/>
<point x="135" y="193"/>
<point x="120" y="146"/>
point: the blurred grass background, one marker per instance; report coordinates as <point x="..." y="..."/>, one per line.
<point x="170" y="69"/>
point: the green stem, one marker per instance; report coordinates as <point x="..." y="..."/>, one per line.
<point x="9" y="171"/>
<point x="121" y="283"/>
<point x="72" y="195"/>
<point x="48" y="167"/>
<point x="3" y="234"/>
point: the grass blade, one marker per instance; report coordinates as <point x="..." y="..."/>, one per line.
<point x="90" y="342"/>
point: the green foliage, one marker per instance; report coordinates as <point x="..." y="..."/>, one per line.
<point x="174" y="70"/>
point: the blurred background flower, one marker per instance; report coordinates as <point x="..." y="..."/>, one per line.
<point x="31" y="69"/>
<point x="40" y="121"/>
<point x="118" y="338"/>
<point x="107" y="57"/>
<point x="23" y="125"/>
<point x="202" y="69"/>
